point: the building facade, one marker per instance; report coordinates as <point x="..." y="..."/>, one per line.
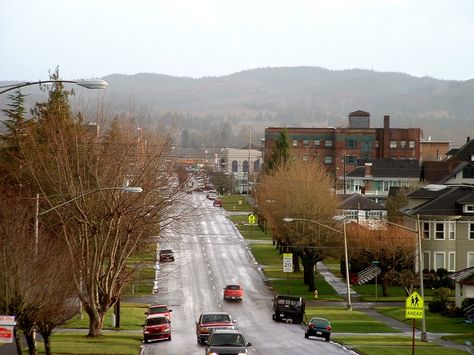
<point x="340" y="148"/>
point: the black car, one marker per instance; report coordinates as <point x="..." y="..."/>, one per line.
<point x="227" y="341"/>
<point x="288" y="307"/>
<point x="318" y="327"/>
<point x="166" y="255"/>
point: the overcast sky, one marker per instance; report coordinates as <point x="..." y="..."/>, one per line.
<point x="94" y="38"/>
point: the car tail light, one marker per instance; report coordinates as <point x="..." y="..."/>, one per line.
<point x="311" y="325"/>
<point x="328" y="328"/>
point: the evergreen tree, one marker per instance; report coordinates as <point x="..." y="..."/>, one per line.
<point x="280" y="153"/>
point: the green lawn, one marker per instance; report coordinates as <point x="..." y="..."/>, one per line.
<point x="344" y="321"/>
<point x="435" y="322"/>
<point x="109" y="343"/>
<point x="391" y="345"/>
<point x="236" y="203"/>
<point x="132" y="316"/>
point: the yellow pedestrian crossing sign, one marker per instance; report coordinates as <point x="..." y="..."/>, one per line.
<point x="414" y="306"/>
<point x="252" y="218"/>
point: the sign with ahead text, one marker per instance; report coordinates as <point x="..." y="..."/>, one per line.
<point x="414" y="306"/>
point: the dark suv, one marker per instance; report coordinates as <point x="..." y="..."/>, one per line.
<point x="288" y="307"/>
<point x="166" y="255"/>
<point x="227" y="341"/>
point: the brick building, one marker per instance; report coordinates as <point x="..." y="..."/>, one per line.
<point x="340" y="148"/>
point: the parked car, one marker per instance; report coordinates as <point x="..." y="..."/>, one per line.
<point x="318" y="327"/>
<point x="218" y="202"/>
<point x="233" y="292"/>
<point x="156" y="327"/>
<point x="159" y="309"/>
<point x="209" y="321"/>
<point x="166" y="255"/>
<point x="288" y="307"/>
<point x="212" y="195"/>
<point x="227" y="341"/>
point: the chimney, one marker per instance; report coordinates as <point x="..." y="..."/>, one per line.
<point x="368" y="169"/>
<point x="468" y="139"/>
<point x="386" y="122"/>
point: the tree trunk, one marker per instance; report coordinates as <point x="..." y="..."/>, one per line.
<point x="385" y="287"/>
<point x="96" y="322"/>
<point x="308" y="266"/>
<point x="30" y="340"/>
<point x="17" y="342"/>
<point x="47" y="343"/>
<point x="296" y="263"/>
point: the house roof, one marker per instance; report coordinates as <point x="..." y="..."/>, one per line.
<point x="438" y="172"/>
<point x="463" y="275"/>
<point x="358" y="202"/>
<point x="359" y="113"/>
<point x="388" y="168"/>
<point x="465" y="152"/>
<point x="443" y="200"/>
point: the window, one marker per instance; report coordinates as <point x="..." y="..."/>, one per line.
<point x="471" y="230"/>
<point x="350" y="143"/>
<point x="377" y="144"/>
<point x="411" y="144"/>
<point x="351" y="159"/>
<point x="245" y="166"/>
<point x="305" y="142"/>
<point x="439" y="231"/>
<point x="305" y="158"/>
<point x="451" y="230"/>
<point x="426" y="230"/>
<point x="403" y="144"/>
<point x="256" y="165"/>
<point x="468" y="208"/>
<point x="426" y="260"/>
<point x="439" y="260"/>
<point x="366" y="146"/>
<point x="328" y="159"/>
<point x="295" y="143"/>
<point x="393" y="144"/>
<point x="470" y="259"/>
<point x="317" y="142"/>
<point x="328" y="143"/>
<point x="451" y="261"/>
<point x="235" y="166"/>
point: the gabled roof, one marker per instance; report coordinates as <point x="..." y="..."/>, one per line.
<point x="358" y="202"/>
<point x="463" y="275"/>
<point x="438" y="172"/>
<point x="465" y="152"/>
<point x="387" y="168"/>
<point x="359" y="113"/>
<point x="447" y="201"/>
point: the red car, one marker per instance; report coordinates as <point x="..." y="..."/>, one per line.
<point x="159" y="310"/>
<point x="212" y="320"/>
<point x="218" y="202"/>
<point x="233" y="292"/>
<point x="156" y="327"/>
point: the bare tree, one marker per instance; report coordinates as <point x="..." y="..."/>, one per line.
<point x="301" y="190"/>
<point x="393" y="247"/>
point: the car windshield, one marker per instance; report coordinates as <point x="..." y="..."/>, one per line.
<point x="233" y="287"/>
<point x="156" y="321"/>
<point x="161" y="309"/>
<point x="211" y="318"/>
<point x="166" y="251"/>
<point x="227" y="340"/>
<point x="320" y="322"/>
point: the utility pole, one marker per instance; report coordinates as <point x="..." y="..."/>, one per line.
<point x="248" y="165"/>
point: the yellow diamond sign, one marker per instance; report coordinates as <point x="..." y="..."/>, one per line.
<point x="414" y="306"/>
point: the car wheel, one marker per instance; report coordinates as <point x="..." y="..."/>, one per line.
<point x="327" y="338"/>
<point x="169" y="338"/>
<point x="306" y="335"/>
<point x="145" y="340"/>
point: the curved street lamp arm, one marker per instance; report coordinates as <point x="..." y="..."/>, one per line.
<point x="311" y="221"/>
<point x="89" y="84"/>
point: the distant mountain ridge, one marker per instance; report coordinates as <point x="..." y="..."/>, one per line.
<point x="297" y="96"/>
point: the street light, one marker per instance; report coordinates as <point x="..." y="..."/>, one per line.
<point x="135" y="189"/>
<point x="288" y="220"/>
<point x="95" y="84"/>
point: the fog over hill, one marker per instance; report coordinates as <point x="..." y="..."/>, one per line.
<point x="217" y="111"/>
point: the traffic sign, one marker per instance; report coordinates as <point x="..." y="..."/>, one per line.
<point x="252" y="218"/>
<point x="287" y="262"/>
<point x="414" y="306"/>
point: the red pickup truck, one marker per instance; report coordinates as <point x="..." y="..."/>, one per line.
<point x="212" y="320"/>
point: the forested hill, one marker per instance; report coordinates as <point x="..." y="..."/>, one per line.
<point x="219" y="110"/>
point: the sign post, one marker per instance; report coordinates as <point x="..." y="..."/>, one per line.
<point x="414" y="309"/>
<point x="251" y="220"/>
<point x="288" y="265"/>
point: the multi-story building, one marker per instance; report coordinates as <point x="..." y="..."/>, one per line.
<point x="340" y="148"/>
